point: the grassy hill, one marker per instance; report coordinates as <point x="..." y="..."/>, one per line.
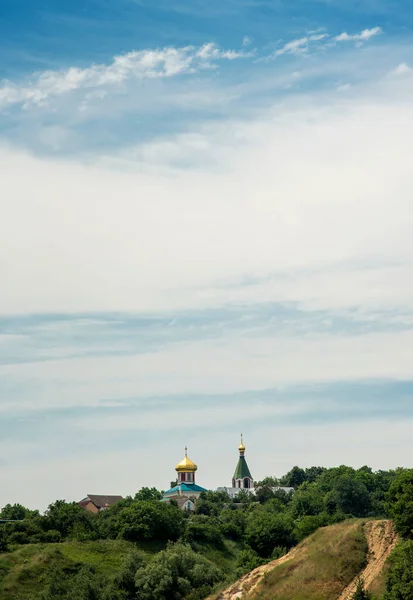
<point x="23" y="573"/>
<point x="324" y="566"/>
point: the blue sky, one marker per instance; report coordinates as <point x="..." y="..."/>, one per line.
<point x="206" y="229"/>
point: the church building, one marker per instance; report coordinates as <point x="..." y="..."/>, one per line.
<point x="242" y="476"/>
<point x="242" y="479"/>
<point x="186" y="491"/>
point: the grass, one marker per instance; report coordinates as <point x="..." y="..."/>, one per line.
<point x="23" y="572"/>
<point x="323" y="565"/>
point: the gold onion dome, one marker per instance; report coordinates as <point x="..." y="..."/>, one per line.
<point x="186" y="465"/>
<point x="241" y="447"/>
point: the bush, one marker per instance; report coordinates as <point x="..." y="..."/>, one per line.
<point x="265" y="530"/>
<point x="400" y="503"/>
<point x="176" y="573"/>
<point x="248" y="560"/>
<point x="145" y="520"/>
<point x="400" y="575"/>
<point x="201" y="529"/>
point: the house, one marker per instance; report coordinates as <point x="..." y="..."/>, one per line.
<point x="95" y="503"/>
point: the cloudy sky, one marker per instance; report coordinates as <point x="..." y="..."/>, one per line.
<point x="206" y="228"/>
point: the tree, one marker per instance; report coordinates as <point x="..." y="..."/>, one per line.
<point x="313" y="473"/>
<point x="201" y="529"/>
<point x="400" y="575"/>
<point x="294" y="478"/>
<point x="211" y="503"/>
<point x="232" y="522"/>
<point x="176" y="573"/>
<point x="308" y="500"/>
<point x="267" y="530"/>
<point x="400" y="502"/>
<point x="361" y="593"/>
<point x="352" y="496"/>
<point x="71" y="520"/>
<point x="148" y="494"/>
<point x="17" y="512"/>
<point x="146" y="520"/>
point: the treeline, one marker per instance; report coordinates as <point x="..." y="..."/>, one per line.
<point x="261" y="527"/>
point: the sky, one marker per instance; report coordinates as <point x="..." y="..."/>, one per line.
<point x="206" y="215"/>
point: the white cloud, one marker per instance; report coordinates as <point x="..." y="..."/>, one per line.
<point x="402" y="69"/>
<point x="299" y="46"/>
<point x="165" y="62"/>
<point x="284" y="193"/>
<point x="363" y="36"/>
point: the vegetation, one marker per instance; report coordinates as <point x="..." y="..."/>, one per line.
<point x="70" y="553"/>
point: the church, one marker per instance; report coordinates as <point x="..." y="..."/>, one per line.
<point x="186" y="492"/>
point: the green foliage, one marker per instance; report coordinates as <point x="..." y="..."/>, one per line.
<point x="400" y="575"/>
<point x="248" y="560"/>
<point x="149" y="520"/>
<point x="211" y="503"/>
<point x="266" y="530"/>
<point x="294" y="478"/>
<point x="361" y="593"/>
<point x="18" y="512"/>
<point x="306" y="525"/>
<point x="70" y="520"/>
<point x="175" y="574"/>
<point x="233" y="522"/>
<point x="400" y="502"/>
<point x="308" y="500"/>
<point x="201" y="529"/>
<point x="148" y="494"/>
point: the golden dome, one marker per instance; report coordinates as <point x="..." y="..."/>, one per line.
<point x="186" y="465"/>
<point x="241" y="447"/>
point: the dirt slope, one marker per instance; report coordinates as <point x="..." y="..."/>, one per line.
<point x="381" y="540"/>
<point x="249" y="582"/>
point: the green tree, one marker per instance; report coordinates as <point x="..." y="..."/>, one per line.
<point x="307" y="500"/>
<point x="148" y="494"/>
<point x="17" y="512"/>
<point x="400" y="575"/>
<point x="211" y="503"/>
<point x="361" y="593"/>
<point x="233" y="522"/>
<point x="400" y="502"/>
<point x="266" y="530"/>
<point x="175" y="574"/>
<point x="294" y="478"/>
<point x="71" y="520"/>
<point x="247" y="560"/>
<point x="146" y="520"/>
<point x="201" y="529"/>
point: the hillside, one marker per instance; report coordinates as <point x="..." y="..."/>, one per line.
<point x="325" y="566"/>
<point x="24" y="572"/>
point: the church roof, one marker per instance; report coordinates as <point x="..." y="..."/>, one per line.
<point x="185" y="487"/>
<point x="242" y="469"/>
